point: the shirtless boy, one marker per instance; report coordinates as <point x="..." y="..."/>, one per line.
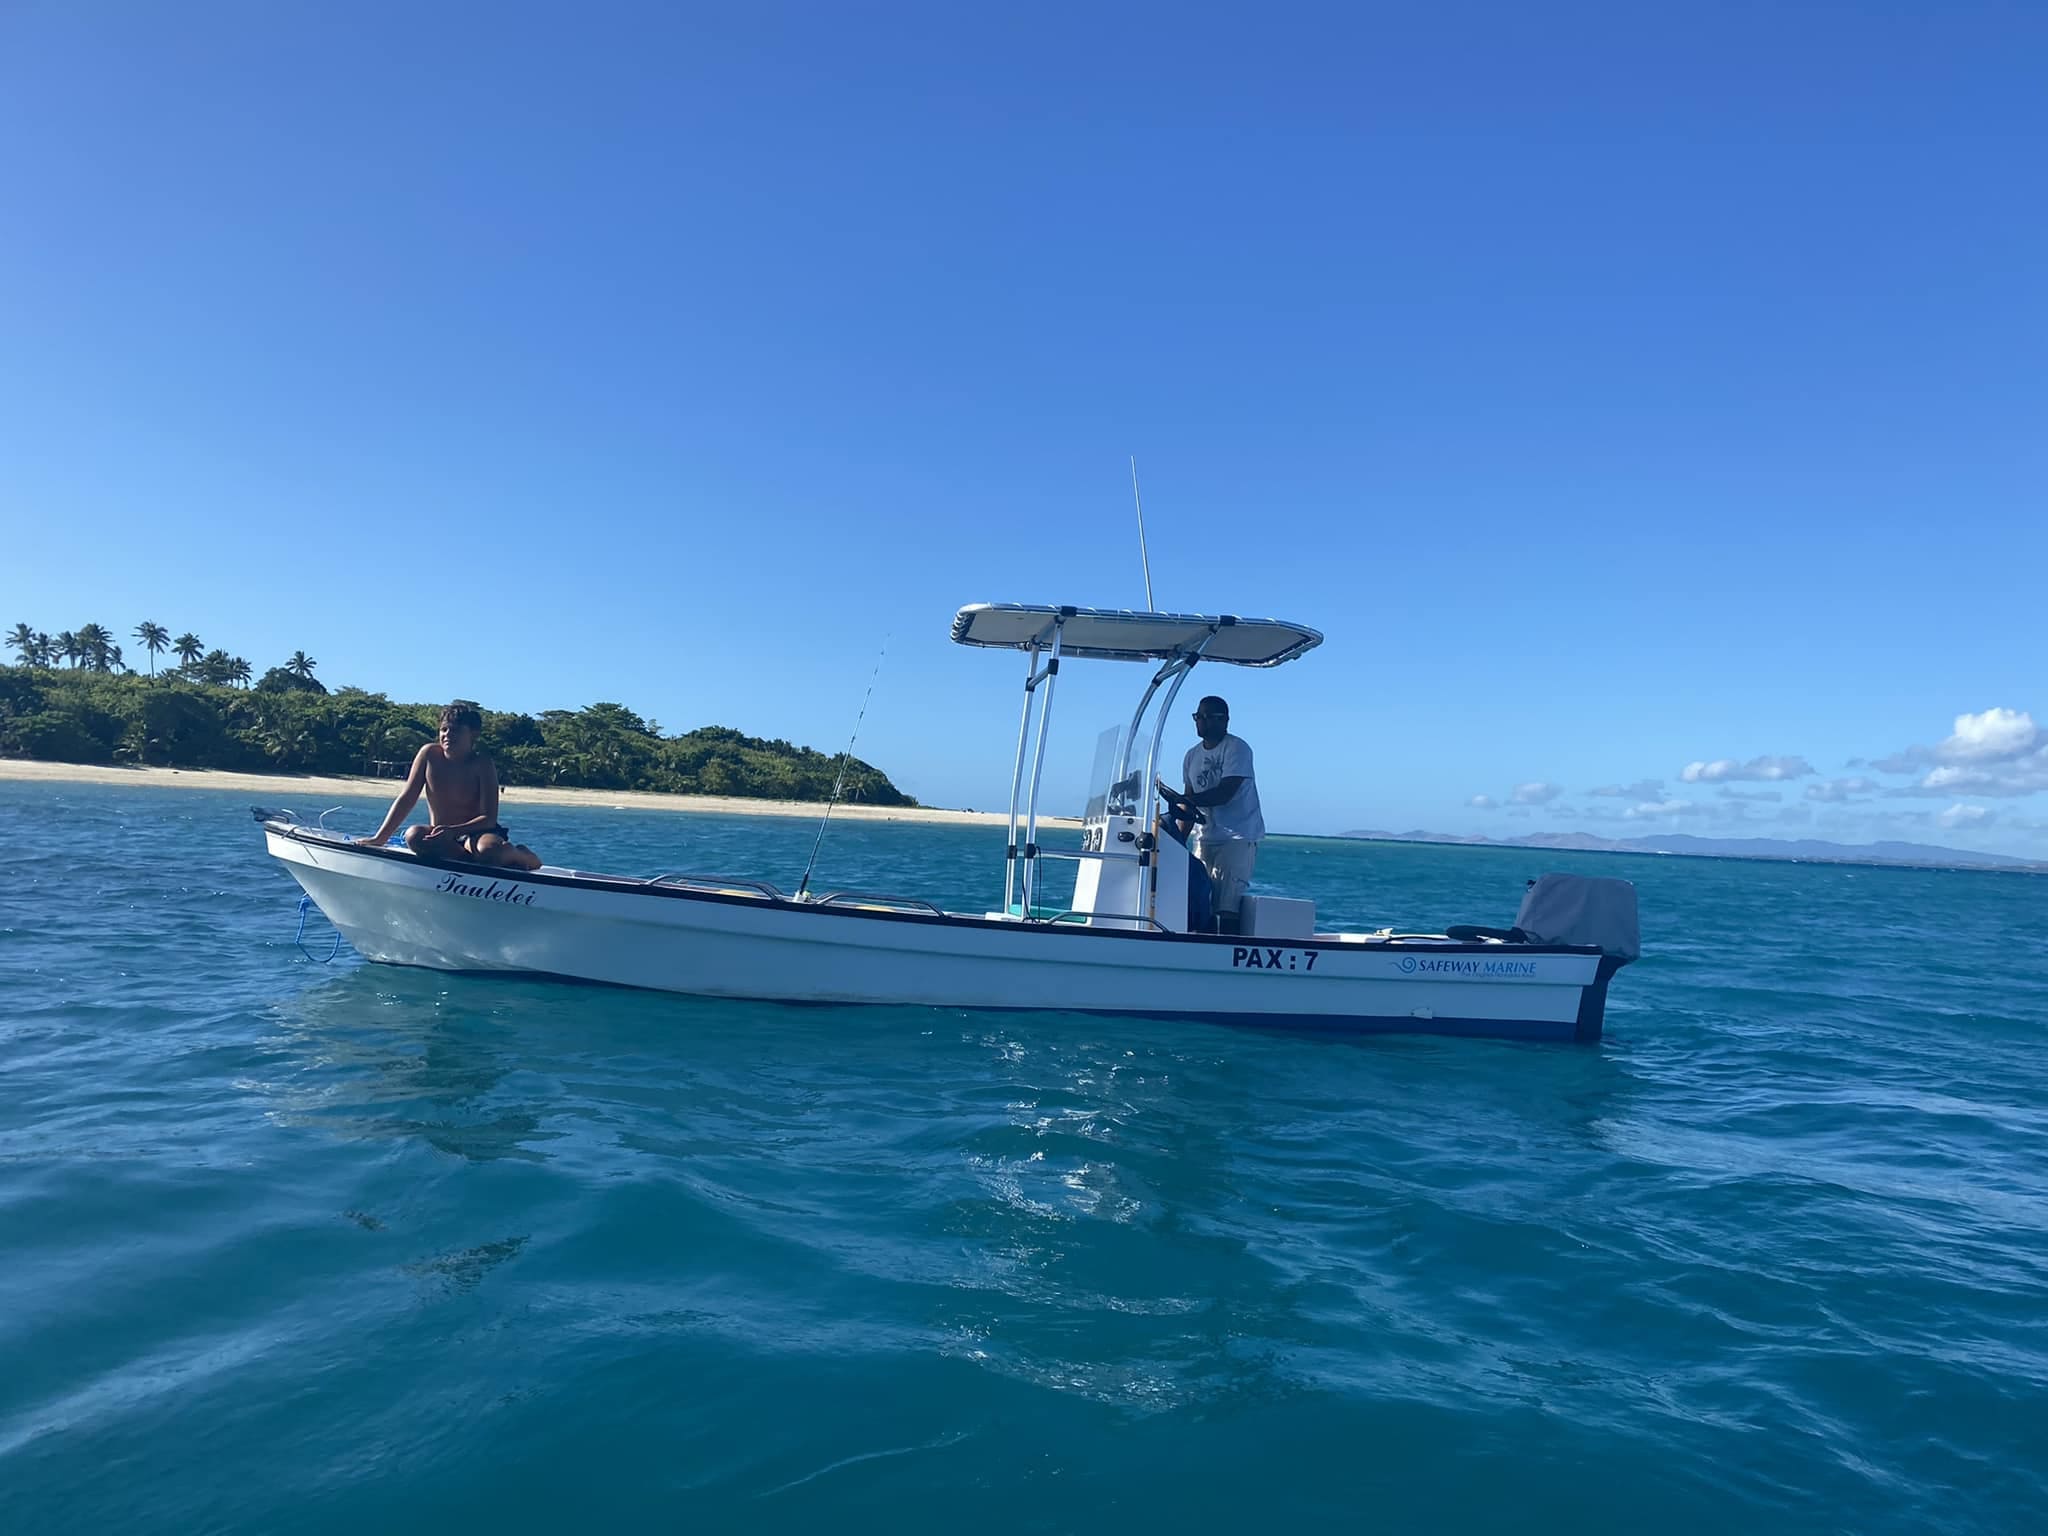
<point x="461" y="784"/>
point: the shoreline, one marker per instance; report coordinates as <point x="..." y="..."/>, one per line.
<point x="33" y="771"/>
<point x="324" y="786"/>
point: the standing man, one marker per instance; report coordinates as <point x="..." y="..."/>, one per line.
<point x="1217" y="781"/>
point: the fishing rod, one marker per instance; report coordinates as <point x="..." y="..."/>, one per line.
<point x="1143" y="554"/>
<point x="839" y="782"/>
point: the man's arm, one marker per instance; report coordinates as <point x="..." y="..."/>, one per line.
<point x="1236" y="755"/>
<point x="1215" y="794"/>
<point x="401" y="808"/>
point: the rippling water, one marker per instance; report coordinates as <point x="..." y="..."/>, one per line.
<point x="287" y="1246"/>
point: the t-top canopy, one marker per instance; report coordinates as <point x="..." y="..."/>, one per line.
<point x="1118" y="634"/>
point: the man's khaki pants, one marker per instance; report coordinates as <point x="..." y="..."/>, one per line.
<point x="1230" y="870"/>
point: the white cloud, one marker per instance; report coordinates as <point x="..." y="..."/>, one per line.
<point x="1650" y="810"/>
<point x="1642" y="789"/>
<point x="1482" y="802"/>
<point x="1839" y="791"/>
<point x="2023" y="776"/>
<point x="1537" y="793"/>
<point x="1959" y="816"/>
<point x="1756" y="794"/>
<point x="1764" y="769"/>
<point x="1994" y="736"/>
<point x="1947" y="779"/>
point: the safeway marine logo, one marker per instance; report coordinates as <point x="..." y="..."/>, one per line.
<point x="1461" y="965"/>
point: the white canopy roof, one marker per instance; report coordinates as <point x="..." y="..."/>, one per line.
<point x="1119" y="634"/>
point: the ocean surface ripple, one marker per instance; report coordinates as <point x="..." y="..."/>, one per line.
<point x="293" y="1246"/>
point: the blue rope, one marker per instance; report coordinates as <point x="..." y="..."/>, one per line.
<point x="297" y="938"/>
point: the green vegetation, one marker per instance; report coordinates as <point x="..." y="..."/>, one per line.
<point x="205" y="714"/>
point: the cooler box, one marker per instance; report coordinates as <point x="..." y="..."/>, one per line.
<point x="1276" y="917"/>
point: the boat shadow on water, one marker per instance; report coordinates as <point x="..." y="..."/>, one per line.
<point x="492" y="1067"/>
<point x="1149" y="1214"/>
<point x="380" y="1053"/>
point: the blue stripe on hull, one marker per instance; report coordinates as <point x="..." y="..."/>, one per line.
<point x="1337" y="1024"/>
<point x="1583" y="1029"/>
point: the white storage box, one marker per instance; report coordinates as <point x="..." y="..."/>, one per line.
<point x="1276" y="917"/>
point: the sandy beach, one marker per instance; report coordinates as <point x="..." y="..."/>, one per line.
<point x="308" y="788"/>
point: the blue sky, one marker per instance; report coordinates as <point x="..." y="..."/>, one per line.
<point x="1619" y="387"/>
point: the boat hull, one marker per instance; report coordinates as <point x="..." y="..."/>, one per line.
<point x="400" y="910"/>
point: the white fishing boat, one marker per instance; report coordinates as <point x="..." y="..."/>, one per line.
<point x="1121" y="945"/>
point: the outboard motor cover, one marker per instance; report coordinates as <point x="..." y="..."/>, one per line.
<point x="1581" y="909"/>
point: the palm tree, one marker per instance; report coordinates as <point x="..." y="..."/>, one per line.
<point x="22" y="639"/>
<point x="240" y="671"/>
<point x="187" y="649"/>
<point x="93" y="645"/>
<point x="46" y="650"/>
<point x="154" y="638"/>
<point x="67" y="647"/>
<point x="301" y="665"/>
<point x="288" y="746"/>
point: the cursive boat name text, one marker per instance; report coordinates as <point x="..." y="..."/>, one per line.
<point x="510" y="895"/>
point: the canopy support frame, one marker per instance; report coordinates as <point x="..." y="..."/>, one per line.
<point x="1051" y="679"/>
<point x="1017" y="773"/>
<point x="1014" y="882"/>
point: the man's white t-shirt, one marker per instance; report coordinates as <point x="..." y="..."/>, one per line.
<point x="1238" y="819"/>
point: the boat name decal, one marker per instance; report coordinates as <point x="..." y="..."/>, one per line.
<point x="1459" y="965"/>
<point x="510" y="895"/>
<point x="1253" y="958"/>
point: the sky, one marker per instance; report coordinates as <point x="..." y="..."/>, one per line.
<point x="1647" y="402"/>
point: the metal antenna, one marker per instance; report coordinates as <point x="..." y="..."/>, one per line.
<point x="839" y="782"/>
<point x="1142" y="555"/>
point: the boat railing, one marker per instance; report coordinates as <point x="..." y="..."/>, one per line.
<point x="725" y="883"/>
<point x="1106" y="917"/>
<point x="1078" y="854"/>
<point x="878" y="899"/>
<point x="306" y="831"/>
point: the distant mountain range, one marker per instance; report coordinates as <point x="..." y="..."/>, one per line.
<point x="1727" y="848"/>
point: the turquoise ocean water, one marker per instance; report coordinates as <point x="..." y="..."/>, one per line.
<point x="290" y="1247"/>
